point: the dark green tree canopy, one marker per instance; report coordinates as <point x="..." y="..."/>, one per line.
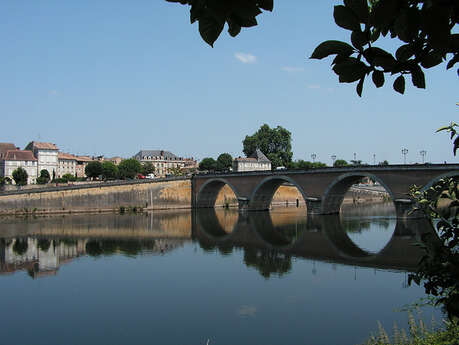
<point x="224" y="161"/>
<point x="129" y="168"/>
<point x="20" y="176"/>
<point x="208" y="163"/>
<point x="340" y="163"/>
<point x="147" y="168"/>
<point x="44" y="177"/>
<point x="275" y="143"/>
<point x="424" y="28"/>
<point x="93" y="169"/>
<point x="109" y="170"/>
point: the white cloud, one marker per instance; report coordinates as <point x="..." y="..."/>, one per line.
<point x="245" y="58"/>
<point x="247" y="310"/>
<point x="291" y="69"/>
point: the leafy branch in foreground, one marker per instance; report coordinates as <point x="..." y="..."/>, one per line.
<point x="453" y="133"/>
<point x="439" y="267"/>
<point x="425" y="27"/>
<point x="213" y="14"/>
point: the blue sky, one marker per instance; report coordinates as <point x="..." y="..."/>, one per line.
<point x="113" y="77"/>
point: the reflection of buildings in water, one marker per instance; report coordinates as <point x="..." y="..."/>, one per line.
<point x="39" y="257"/>
<point x="43" y="257"/>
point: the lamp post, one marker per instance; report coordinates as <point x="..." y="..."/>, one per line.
<point x="333" y="157"/>
<point x="374" y="158"/>
<point x="404" y="152"/>
<point x="423" y="154"/>
<point x="313" y="156"/>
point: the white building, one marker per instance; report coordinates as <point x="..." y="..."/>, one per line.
<point x="14" y="159"/>
<point x="256" y="162"/>
<point x="47" y="156"/>
<point x="67" y="164"/>
<point x="164" y="161"/>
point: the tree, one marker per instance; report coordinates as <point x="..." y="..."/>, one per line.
<point x="129" y="168"/>
<point x="340" y="163"/>
<point x="68" y="177"/>
<point x="301" y="164"/>
<point x="224" y="161"/>
<point x="109" y="170"/>
<point x="424" y="28"/>
<point x="20" y="176"/>
<point x="147" y="168"/>
<point x="44" y="177"/>
<point x="384" y="162"/>
<point x="275" y="143"/>
<point x="93" y="169"/>
<point x="356" y="162"/>
<point x="208" y="163"/>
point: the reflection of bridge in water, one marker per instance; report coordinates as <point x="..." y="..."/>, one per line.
<point x="269" y="239"/>
<point x="319" y="238"/>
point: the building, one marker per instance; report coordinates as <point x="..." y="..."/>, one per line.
<point x="67" y="164"/>
<point x="257" y="161"/>
<point x="164" y="161"/>
<point x="5" y="147"/>
<point x="47" y="156"/>
<point x="81" y="162"/>
<point x="14" y="159"/>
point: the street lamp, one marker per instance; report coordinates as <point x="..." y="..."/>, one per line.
<point x="333" y="157"/>
<point x="313" y="156"/>
<point x="404" y="152"/>
<point x="374" y="158"/>
<point x="423" y="154"/>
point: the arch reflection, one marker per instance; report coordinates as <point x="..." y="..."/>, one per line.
<point x="321" y="238"/>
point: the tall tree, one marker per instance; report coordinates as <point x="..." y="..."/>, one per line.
<point x="275" y="143"/>
<point x="93" y="169"/>
<point x="208" y="164"/>
<point x="129" y="168"/>
<point x="20" y="176"/>
<point x="109" y="170"/>
<point x="147" y="168"/>
<point x="224" y="161"/>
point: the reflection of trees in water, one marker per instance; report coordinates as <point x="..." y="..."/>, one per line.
<point x="43" y="244"/>
<point x="358" y="225"/>
<point x="267" y="262"/>
<point x="110" y="247"/>
<point x="20" y="246"/>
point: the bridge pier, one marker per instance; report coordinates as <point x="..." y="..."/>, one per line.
<point x="314" y="205"/>
<point x="404" y="209"/>
<point x="243" y="204"/>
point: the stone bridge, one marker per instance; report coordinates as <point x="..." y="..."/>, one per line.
<point x="322" y="189"/>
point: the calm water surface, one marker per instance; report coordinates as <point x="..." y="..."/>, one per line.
<point x="274" y="277"/>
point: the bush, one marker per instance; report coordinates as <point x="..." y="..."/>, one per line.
<point x="20" y="176"/>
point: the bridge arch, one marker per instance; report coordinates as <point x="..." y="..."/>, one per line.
<point x="334" y="194"/>
<point x="263" y="193"/>
<point x="208" y="193"/>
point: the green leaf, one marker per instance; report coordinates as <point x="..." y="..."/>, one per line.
<point x="359" y="39"/>
<point x="360" y="8"/>
<point x="404" y="52"/>
<point x="456" y="145"/>
<point x="399" y="84"/>
<point x="379" y="57"/>
<point x="383" y="13"/>
<point x="210" y="29"/>
<point x="267" y="5"/>
<point x="431" y="60"/>
<point x="453" y="61"/>
<point x="350" y="70"/>
<point x="359" y="87"/>
<point x="417" y="77"/>
<point x="332" y="47"/>
<point x="346" y="18"/>
<point x="378" y="78"/>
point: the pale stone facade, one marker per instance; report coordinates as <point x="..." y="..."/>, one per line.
<point x="47" y="156"/>
<point x="81" y="162"/>
<point x="67" y="164"/>
<point x="256" y="162"/>
<point x="14" y="159"/>
<point x="164" y="161"/>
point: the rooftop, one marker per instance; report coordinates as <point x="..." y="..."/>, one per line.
<point x="20" y="155"/>
<point x="41" y="146"/>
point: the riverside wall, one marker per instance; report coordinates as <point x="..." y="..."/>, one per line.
<point x="141" y="195"/>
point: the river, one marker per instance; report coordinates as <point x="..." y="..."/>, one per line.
<point x="208" y="277"/>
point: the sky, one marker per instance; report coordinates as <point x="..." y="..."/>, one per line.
<point x="112" y="77"/>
